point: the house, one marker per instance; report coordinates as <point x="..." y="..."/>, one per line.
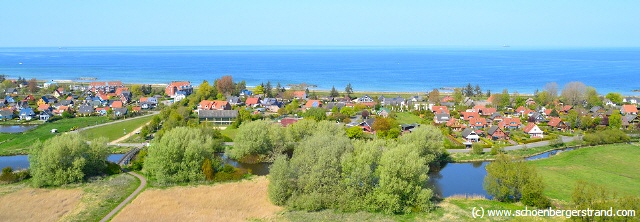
<point x="85" y="110"/>
<point x="439" y="109"/>
<point x="116" y="104"/>
<point x="178" y="86"/>
<point x="396" y="101"/>
<point x="536" y="117"/>
<point x="496" y="133"/>
<point x="364" y="99"/>
<point x="136" y="109"/>
<point x="631" y="100"/>
<point x="214" y="105"/>
<point x="29" y="98"/>
<point x="44" y="107"/>
<point x="456" y="124"/>
<point x="533" y="130"/>
<point x="565" y="109"/>
<point x="105" y="87"/>
<point x="441" y="118"/>
<point x="59" y="92"/>
<point x="102" y="111"/>
<point x="367" y="125"/>
<point x="11" y="91"/>
<point x="300" y="95"/>
<point x="234" y="100"/>
<point x="478" y="123"/>
<point x="245" y="92"/>
<point x="530" y="101"/>
<point x="223" y="117"/>
<point x="26" y="114"/>
<point x="484" y="111"/>
<point x="120" y="111"/>
<point x="313" y="104"/>
<point x="49" y="83"/>
<point x="287" y="121"/>
<point x="45" y="115"/>
<point x="447" y="99"/>
<point x="179" y="96"/>
<point x="510" y="123"/>
<point x="61" y="109"/>
<point x="9" y="100"/>
<point x="608" y="102"/>
<point x="470" y="135"/>
<point x="558" y="124"/>
<point x="628" y="120"/>
<point x="383" y="112"/>
<point x="252" y="101"/>
<point x="469" y="115"/>
<point x="338" y="105"/>
<point x="6" y="115"/>
<point x="408" y="127"/>
<point x="629" y="109"/>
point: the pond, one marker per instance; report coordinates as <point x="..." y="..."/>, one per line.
<point x="22" y="161"/>
<point x="259" y="169"/>
<point x="16" y="128"/>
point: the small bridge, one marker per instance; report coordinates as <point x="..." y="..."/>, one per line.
<point x="129" y="155"/>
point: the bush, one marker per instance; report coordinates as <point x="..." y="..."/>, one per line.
<point x="510" y="180"/>
<point x="67" y="159"/>
<point x="10" y="176"/>
<point x="477" y="148"/>
<point x="606" y="137"/>
<point x="177" y="157"/>
<point x="113" y="168"/>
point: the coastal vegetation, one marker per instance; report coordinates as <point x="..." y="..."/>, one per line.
<point x="68" y="159"/>
<point x="511" y="180"/>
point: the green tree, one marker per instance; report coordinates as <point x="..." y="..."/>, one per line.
<point x="179" y="155"/>
<point x="348" y="90"/>
<point x="593" y="99"/>
<point x="468" y="90"/>
<point x="317" y="114"/>
<point x="511" y="180"/>
<point x="349" y="111"/>
<point x="614" y="97"/>
<point x="259" y="90"/>
<point x="334" y="92"/>
<point x="354" y="132"/>
<point x="260" y="137"/>
<point x="204" y="91"/>
<point x="67" y="159"/>
<point x="457" y="95"/>
<point x="477" y="148"/>
<point x="268" y="90"/>
<point x="477" y="90"/>
<point x="136" y="90"/>
<point x="505" y="99"/>
<point x="281" y="181"/>
<point x="615" y="120"/>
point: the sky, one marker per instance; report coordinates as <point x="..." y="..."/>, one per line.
<point x="454" y="23"/>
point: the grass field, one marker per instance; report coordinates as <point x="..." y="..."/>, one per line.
<point x="612" y="166"/>
<point x="12" y="144"/>
<point x="116" y="130"/>
<point x="228" y="132"/>
<point x="236" y="201"/>
<point x="77" y="202"/>
<point x="407" y="118"/>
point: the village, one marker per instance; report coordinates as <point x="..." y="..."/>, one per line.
<point x="465" y="120"/>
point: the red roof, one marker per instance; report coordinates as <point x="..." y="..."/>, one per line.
<point x="566" y="108"/>
<point x="469" y="115"/>
<point x="440" y="109"/>
<point x="179" y="84"/>
<point x="447" y="99"/>
<point x="43" y="107"/>
<point x="143" y="99"/>
<point x="629" y="109"/>
<point x="548" y="111"/>
<point x="313" y="103"/>
<point x="252" y="101"/>
<point x="288" y="121"/>
<point x="116" y="104"/>
<point x="511" y="122"/>
<point x="478" y="122"/>
<point x="136" y="108"/>
<point x="299" y="94"/>
<point x="120" y="89"/>
<point x="554" y="122"/>
<point x="529" y="127"/>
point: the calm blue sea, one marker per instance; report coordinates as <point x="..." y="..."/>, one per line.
<point x="367" y="69"/>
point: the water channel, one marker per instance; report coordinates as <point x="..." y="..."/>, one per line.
<point x="452" y="179"/>
<point x="16" y="128"/>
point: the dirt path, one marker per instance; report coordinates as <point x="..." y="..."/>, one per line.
<point x="143" y="184"/>
<point x="133" y="132"/>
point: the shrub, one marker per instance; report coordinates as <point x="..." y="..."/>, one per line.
<point x="67" y="159"/>
<point x="510" y="180"/>
<point x="477" y="148"/>
<point x="606" y="137"/>
<point x="10" y="176"/>
<point x="113" y="168"/>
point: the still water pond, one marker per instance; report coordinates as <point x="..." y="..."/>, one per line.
<point x="22" y="161"/>
<point x="15" y="128"/>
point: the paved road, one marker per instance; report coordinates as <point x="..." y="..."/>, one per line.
<point x="565" y="139"/>
<point x="143" y="183"/>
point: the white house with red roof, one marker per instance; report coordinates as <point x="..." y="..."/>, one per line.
<point x="533" y="130"/>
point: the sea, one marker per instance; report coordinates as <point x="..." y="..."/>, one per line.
<point x="379" y="69"/>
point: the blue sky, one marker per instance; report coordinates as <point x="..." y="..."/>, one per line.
<point x="540" y="23"/>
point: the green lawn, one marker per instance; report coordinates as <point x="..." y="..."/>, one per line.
<point x="116" y="130"/>
<point x="228" y="132"/>
<point x="612" y="166"/>
<point x="407" y="118"/>
<point x="11" y="144"/>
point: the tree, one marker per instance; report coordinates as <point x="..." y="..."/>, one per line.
<point x="573" y="93"/>
<point x="32" y="85"/>
<point x="225" y="85"/>
<point x="477" y="148"/>
<point x="382" y="124"/>
<point x="317" y="114"/>
<point x="67" y="159"/>
<point x="615" y="98"/>
<point x="457" y="95"/>
<point x="259" y="90"/>
<point x="136" y="90"/>
<point x="204" y="91"/>
<point x="365" y="114"/>
<point x="543" y="98"/>
<point x="552" y="91"/>
<point x="593" y="99"/>
<point x="434" y="96"/>
<point x="179" y="155"/>
<point x="242" y="85"/>
<point x="334" y="92"/>
<point x="468" y="91"/>
<point x="615" y="120"/>
<point x="511" y="180"/>
<point x="257" y="138"/>
<point x="505" y="99"/>
<point x="349" y="111"/>
<point x="355" y="132"/>
<point x="488" y="93"/>
<point x="477" y="90"/>
<point x="348" y="90"/>
<point x="268" y="90"/>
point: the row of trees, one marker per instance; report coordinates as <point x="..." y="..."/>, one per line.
<point x="329" y="171"/>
